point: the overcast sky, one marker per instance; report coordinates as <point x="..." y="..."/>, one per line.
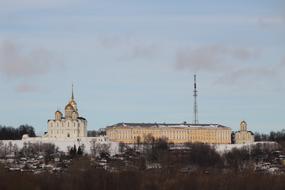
<point x="134" y="61"/>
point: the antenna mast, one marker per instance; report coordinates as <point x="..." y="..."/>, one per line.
<point x="195" y="102"/>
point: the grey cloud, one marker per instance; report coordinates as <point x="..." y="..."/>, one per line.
<point x="26" y="88"/>
<point x="17" y="63"/>
<point x="264" y="21"/>
<point x="261" y="73"/>
<point x="142" y="51"/>
<point x="211" y="58"/>
<point x="23" y="65"/>
<point x="129" y="48"/>
<point x="14" y="5"/>
<point x="244" y="74"/>
<point x="111" y="42"/>
<point x="230" y="65"/>
<point x="242" y="53"/>
<point x="283" y="62"/>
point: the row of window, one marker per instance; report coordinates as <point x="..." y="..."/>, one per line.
<point x="61" y="131"/>
<point x="178" y="137"/>
<point x="171" y="133"/>
<point x="68" y="125"/>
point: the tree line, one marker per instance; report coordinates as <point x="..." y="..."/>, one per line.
<point x="11" y="133"/>
<point x="272" y="136"/>
<point x="95" y="133"/>
<point x="82" y="175"/>
<point x="168" y="156"/>
<point x="278" y="136"/>
<point x="191" y="166"/>
<point x="231" y="170"/>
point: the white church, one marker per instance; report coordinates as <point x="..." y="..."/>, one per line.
<point x="69" y="126"/>
<point x="65" y="131"/>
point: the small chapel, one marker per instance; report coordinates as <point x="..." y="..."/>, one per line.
<point x="71" y="125"/>
<point x="243" y="136"/>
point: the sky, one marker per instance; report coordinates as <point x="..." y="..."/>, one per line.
<point x="134" y="61"/>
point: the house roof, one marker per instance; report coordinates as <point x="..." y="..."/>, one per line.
<point x="160" y="125"/>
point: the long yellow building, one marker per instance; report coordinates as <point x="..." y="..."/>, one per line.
<point x="175" y="133"/>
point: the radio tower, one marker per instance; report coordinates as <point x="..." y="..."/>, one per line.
<point x="195" y="102"/>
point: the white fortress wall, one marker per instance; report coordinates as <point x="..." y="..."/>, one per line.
<point x="64" y="143"/>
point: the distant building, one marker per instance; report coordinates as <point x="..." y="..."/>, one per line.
<point x="69" y="126"/>
<point x="243" y="136"/>
<point x="176" y="133"/>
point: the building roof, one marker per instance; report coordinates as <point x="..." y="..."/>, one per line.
<point x="63" y="118"/>
<point x="82" y="118"/>
<point x="252" y="133"/>
<point x="173" y="125"/>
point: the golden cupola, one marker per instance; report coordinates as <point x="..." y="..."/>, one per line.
<point x="71" y="106"/>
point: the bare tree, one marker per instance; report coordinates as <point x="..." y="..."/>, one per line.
<point x="93" y="149"/>
<point x="15" y="150"/>
<point x="138" y="143"/>
<point x="122" y="147"/>
<point x="2" y="149"/>
<point x="99" y="149"/>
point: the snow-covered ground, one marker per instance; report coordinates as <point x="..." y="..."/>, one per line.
<point x="222" y="148"/>
<point x="64" y="144"/>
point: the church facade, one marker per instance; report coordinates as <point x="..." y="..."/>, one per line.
<point x="70" y="125"/>
<point x="244" y="136"/>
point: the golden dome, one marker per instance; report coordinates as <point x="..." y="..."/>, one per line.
<point x="72" y="104"/>
<point x="58" y="112"/>
<point x="58" y="115"/>
<point x="69" y="106"/>
<point x="243" y="126"/>
<point x="243" y="123"/>
<point x="74" y="115"/>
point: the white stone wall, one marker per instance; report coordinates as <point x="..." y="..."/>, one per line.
<point x="244" y="137"/>
<point x="67" y="128"/>
<point x="65" y="143"/>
